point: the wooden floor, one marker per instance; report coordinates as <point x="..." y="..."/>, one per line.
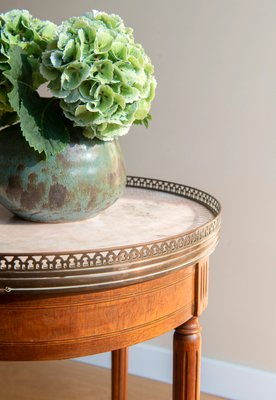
<point x="68" y="380"/>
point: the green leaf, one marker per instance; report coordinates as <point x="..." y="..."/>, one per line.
<point x="41" y="120"/>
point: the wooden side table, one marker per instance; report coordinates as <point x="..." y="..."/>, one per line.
<point x="136" y="271"/>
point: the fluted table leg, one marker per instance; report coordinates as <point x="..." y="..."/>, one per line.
<point x="186" y="361"/>
<point x="119" y="374"/>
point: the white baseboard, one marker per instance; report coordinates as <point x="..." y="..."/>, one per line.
<point x="219" y="378"/>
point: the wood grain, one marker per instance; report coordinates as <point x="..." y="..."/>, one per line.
<point x="119" y="374"/>
<point x="186" y="361"/>
<point x="202" y="286"/>
<point x="58" y="327"/>
<point x="35" y="328"/>
<point x="69" y="380"/>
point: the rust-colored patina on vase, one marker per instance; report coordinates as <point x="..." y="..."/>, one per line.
<point x="78" y="183"/>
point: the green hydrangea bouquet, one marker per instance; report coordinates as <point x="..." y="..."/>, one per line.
<point x="99" y="78"/>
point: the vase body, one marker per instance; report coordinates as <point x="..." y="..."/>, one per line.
<point x="78" y="183"/>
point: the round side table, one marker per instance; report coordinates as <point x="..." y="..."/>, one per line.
<point x="137" y="270"/>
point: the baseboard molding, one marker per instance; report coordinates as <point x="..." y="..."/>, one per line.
<point x="219" y="378"/>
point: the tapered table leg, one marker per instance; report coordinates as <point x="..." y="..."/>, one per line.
<point x="186" y="361"/>
<point x="119" y="374"/>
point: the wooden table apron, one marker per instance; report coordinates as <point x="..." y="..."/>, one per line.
<point x="65" y="326"/>
<point x="104" y="300"/>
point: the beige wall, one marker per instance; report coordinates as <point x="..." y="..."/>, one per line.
<point x="214" y="128"/>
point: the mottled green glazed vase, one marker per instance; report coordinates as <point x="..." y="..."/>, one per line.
<point x="78" y="183"/>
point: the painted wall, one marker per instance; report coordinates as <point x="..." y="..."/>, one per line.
<point x="214" y="128"/>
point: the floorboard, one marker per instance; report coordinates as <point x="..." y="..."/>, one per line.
<point x="70" y="380"/>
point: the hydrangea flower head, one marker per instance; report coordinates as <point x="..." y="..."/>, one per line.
<point x="19" y="28"/>
<point x="104" y="80"/>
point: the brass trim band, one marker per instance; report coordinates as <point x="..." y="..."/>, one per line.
<point x="114" y="267"/>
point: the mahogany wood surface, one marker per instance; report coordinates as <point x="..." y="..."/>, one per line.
<point x="186" y="361"/>
<point x="68" y="326"/>
<point x="119" y="374"/>
<point x="60" y="327"/>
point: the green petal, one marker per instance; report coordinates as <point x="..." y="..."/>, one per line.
<point x="69" y="51"/>
<point x="81" y="46"/>
<point x="130" y="94"/>
<point x="48" y="31"/>
<point x="148" y="90"/>
<point x="141" y="77"/>
<point x="105" y="96"/>
<point x="103" y="71"/>
<point x="91" y="106"/>
<point x="142" y="110"/>
<point x="135" y="62"/>
<point x="109" y="131"/>
<point x="62" y="40"/>
<point x="87" y="89"/>
<point x="80" y="110"/>
<point x="56" y="90"/>
<point x="33" y="49"/>
<point x="89" y="132"/>
<point x="73" y="96"/>
<point x="152" y="90"/>
<point x="118" y="75"/>
<point x="103" y="41"/>
<point x="119" y="50"/>
<point x="149" y="69"/>
<point x="90" y="34"/>
<point x="120" y="100"/>
<point x="73" y="75"/>
<point x="128" y="71"/>
<point x="111" y="21"/>
<point x="137" y="56"/>
<point x="46" y="59"/>
<point x="56" y="58"/>
<point x="86" y="118"/>
<point x="70" y="107"/>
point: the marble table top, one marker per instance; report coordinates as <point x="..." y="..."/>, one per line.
<point x="139" y="216"/>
